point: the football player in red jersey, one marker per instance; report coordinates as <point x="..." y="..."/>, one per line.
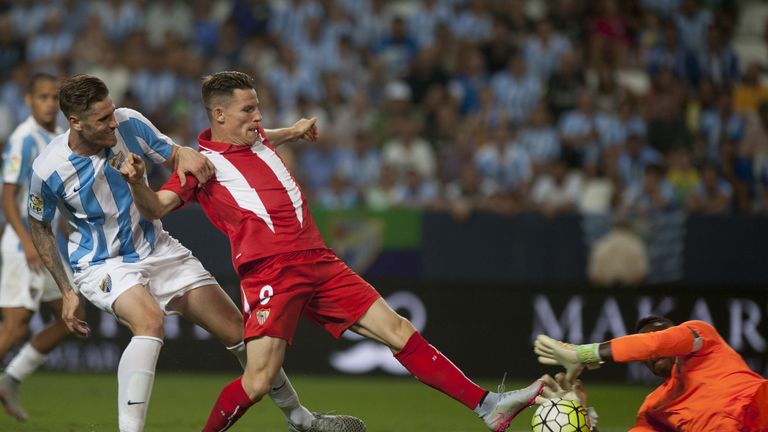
<point x="285" y="268"/>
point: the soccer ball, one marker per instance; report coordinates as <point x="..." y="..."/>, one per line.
<point x="560" y="415"/>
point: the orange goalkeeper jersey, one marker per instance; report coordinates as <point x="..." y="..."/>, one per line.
<point x="708" y="387"/>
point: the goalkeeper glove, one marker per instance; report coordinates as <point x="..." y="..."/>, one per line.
<point x="572" y="357"/>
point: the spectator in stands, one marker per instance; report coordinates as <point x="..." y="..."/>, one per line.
<point x="338" y="194"/>
<point x="755" y="143"/>
<point x="168" y="17"/>
<point x="11" y="47"/>
<point x="609" y="95"/>
<point x="581" y="130"/>
<point x="319" y="162"/>
<point x="565" y="84"/>
<point x="610" y="38"/>
<point x="470" y="80"/>
<point x="385" y="193"/>
<point x="737" y="170"/>
<point x="718" y="61"/>
<point x="539" y="139"/>
<point x="397" y="49"/>
<point x="558" y="191"/>
<point x="650" y="197"/>
<point x="501" y="160"/>
<point x="472" y="21"/>
<point x="407" y="150"/>
<point x="669" y="53"/>
<point x="118" y="18"/>
<point x="750" y="92"/>
<point x="721" y="122"/>
<point x="418" y="192"/>
<point x="681" y="174"/>
<point x="664" y="111"/>
<point x="425" y="72"/>
<point x="692" y="23"/>
<point x="713" y="195"/>
<point x="361" y="164"/>
<point x="542" y="50"/>
<point x="469" y="193"/>
<point x="500" y="47"/>
<point x="635" y="156"/>
<point x="425" y="18"/>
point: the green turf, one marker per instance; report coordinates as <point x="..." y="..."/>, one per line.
<point x="181" y="402"/>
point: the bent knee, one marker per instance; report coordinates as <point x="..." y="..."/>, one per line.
<point x="256" y="385"/>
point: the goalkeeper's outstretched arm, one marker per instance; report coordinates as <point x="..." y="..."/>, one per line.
<point x="665" y="342"/>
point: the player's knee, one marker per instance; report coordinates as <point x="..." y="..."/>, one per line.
<point x="151" y="325"/>
<point x="256" y="385"/>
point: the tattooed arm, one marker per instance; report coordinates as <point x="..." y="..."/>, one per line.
<point x="45" y="242"/>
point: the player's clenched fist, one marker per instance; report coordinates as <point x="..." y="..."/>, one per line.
<point x="132" y="168"/>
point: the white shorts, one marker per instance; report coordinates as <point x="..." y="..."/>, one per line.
<point x="21" y="287"/>
<point x="168" y="272"/>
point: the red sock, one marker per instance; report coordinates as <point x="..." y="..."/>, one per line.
<point x="431" y="367"/>
<point x="232" y="403"/>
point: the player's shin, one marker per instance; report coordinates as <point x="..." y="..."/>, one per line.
<point x="135" y="377"/>
<point x="431" y="367"/>
<point x="231" y="404"/>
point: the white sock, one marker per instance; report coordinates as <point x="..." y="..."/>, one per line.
<point x="135" y="376"/>
<point x="285" y="397"/>
<point x="25" y="363"/>
<point x="281" y="392"/>
<point x="239" y="352"/>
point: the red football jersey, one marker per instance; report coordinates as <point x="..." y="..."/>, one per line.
<point x="253" y="199"/>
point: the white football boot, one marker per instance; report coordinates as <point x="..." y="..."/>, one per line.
<point x="9" y="396"/>
<point x="510" y="404"/>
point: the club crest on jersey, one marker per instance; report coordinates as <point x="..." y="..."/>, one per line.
<point x="262" y="315"/>
<point x="36" y="204"/>
<point x="106" y="284"/>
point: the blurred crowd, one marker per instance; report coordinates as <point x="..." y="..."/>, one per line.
<point x="632" y="106"/>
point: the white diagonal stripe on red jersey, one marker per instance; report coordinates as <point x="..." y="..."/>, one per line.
<point x="232" y="179"/>
<point x="274" y="163"/>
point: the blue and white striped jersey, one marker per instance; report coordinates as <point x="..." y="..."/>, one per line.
<point x="102" y="220"/>
<point x="26" y="142"/>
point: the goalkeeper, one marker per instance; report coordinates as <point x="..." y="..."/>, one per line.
<point x="707" y="385"/>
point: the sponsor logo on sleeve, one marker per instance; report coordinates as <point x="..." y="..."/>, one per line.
<point x="13" y="167"/>
<point x="36" y="204"/>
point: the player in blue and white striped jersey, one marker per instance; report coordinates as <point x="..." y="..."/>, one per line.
<point x="24" y="282"/>
<point x="123" y="263"/>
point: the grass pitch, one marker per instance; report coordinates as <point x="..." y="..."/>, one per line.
<point x="60" y="402"/>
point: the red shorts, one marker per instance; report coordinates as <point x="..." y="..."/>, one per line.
<point x="277" y="290"/>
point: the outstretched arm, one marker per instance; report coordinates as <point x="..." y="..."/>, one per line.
<point x="45" y="242"/>
<point x="674" y="341"/>
<point x="151" y="204"/>
<point x="305" y="129"/>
